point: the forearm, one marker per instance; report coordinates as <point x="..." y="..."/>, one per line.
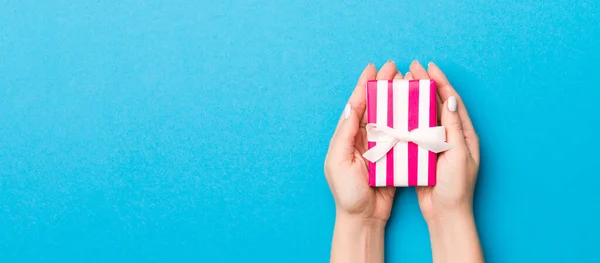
<point x="454" y="238"/>
<point x="357" y="240"/>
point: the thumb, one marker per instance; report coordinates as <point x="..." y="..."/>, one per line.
<point x="451" y="120"/>
<point x="345" y="136"/>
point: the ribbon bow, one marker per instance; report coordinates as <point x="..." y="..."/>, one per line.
<point x="430" y="138"/>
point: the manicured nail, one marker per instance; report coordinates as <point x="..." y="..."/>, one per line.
<point x="347" y="111"/>
<point x="452" y="104"/>
<point x="430" y="64"/>
<point x="415" y="62"/>
<point x="391" y="61"/>
<point x="370" y="64"/>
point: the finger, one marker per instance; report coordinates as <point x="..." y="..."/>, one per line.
<point x="408" y="76"/>
<point x="398" y="75"/>
<point x="388" y="71"/>
<point x="358" y="97"/>
<point x="451" y="120"/>
<point x="418" y="71"/>
<point x="445" y="91"/>
<point x="342" y="145"/>
<point x="363" y="121"/>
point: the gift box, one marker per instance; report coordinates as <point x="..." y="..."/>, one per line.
<point x="402" y="133"/>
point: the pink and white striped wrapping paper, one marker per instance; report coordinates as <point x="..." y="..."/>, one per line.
<point x="404" y="105"/>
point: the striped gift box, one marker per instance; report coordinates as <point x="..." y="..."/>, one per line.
<point x="403" y="105"/>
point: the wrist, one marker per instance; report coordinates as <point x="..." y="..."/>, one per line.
<point x="344" y="219"/>
<point x="454" y="237"/>
<point x="357" y="239"/>
<point x="444" y="222"/>
<point x="448" y="216"/>
<point x="442" y="211"/>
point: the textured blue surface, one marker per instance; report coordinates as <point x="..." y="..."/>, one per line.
<point x="195" y="131"/>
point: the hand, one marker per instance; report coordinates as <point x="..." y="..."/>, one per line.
<point x="456" y="168"/>
<point x="345" y="168"/>
<point x="447" y="207"/>
<point x="361" y="210"/>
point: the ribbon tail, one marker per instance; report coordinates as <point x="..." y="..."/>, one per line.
<point x="436" y="147"/>
<point x="379" y="151"/>
<point x="432" y="139"/>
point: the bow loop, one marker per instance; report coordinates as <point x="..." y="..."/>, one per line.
<point x="429" y="138"/>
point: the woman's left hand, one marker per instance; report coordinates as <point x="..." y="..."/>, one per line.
<point x="345" y="168"/>
<point x="361" y="210"/>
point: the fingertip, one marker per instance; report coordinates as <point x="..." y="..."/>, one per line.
<point x="388" y="71"/>
<point x="371" y="65"/>
<point x="413" y="65"/>
<point x="418" y="71"/>
<point x="368" y="73"/>
<point x="436" y="74"/>
<point x="445" y="90"/>
<point x="450" y="119"/>
<point x="431" y="67"/>
<point x="452" y="104"/>
<point x="369" y="70"/>
<point x="347" y="111"/>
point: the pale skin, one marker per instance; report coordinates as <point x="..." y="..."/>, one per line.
<point x="362" y="211"/>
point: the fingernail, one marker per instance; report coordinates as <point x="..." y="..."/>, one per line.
<point x="391" y="61"/>
<point x="415" y="62"/>
<point x="370" y="64"/>
<point x="452" y="104"/>
<point x="430" y="64"/>
<point x="347" y="111"/>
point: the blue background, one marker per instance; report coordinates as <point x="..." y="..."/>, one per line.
<point x="195" y="131"/>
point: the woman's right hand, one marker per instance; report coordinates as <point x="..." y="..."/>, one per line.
<point x="448" y="206"/>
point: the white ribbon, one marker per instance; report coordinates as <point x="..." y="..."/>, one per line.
<point x="430" y="138"/>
